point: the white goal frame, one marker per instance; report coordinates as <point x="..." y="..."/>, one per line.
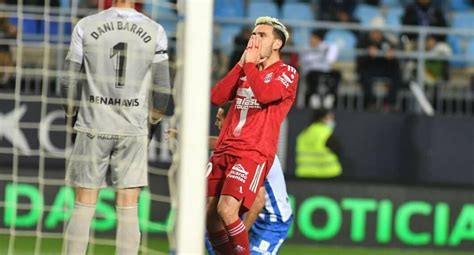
<point x="194" y="123"/>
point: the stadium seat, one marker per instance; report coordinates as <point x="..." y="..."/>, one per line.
<point x="455" y="42"/>
<point x="390" y="3"/>
<point x="462" y="20"/>
<point x="300" y="36"/>
<point x="164" y="13"/>
<point x="393" y="17"/>
<point x="298" y="11"/>
<point x="30" y="26"/>
<point x="365" y="13"/>
<point x="460" y="5"/>
<point x="227" y="34"/>
<point x="258" y="9"/>
<point x="345" y="40"/>
<point x="55" y="27"/>
<point x="65" y="4"/>
<point x="470" y="52"/>
<point x="228" y="8"/>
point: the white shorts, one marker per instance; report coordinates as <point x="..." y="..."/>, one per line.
<point x="93" y="153"/>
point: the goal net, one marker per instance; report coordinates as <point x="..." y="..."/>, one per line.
<point x="35" y="140"/>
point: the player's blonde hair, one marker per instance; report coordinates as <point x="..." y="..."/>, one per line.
<point x="275" y="23"/>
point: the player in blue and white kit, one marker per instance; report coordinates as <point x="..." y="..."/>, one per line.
<point x="270" y="229"/>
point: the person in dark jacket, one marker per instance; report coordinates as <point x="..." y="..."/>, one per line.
<point x="378" y="64"/>
<point x="423" y="13"/>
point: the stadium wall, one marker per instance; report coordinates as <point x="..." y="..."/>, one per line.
<point x="326" y="213"/>
<point x="398" y="148"/>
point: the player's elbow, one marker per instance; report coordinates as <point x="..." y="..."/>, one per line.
<point x="216" y="99"/>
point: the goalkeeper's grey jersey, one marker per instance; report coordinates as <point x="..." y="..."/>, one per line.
<point x="116" y="48"/>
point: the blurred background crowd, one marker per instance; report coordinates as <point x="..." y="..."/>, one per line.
<point x="363" y="55"/>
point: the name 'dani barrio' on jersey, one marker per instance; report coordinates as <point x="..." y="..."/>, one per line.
<point x="133" y="102"/>
<point x="121" y="26"/>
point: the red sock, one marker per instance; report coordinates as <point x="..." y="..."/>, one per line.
<point x="220" y="242"/>
<point x="239" y="238"/>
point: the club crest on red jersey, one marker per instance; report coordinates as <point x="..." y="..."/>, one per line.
<point x="268" y="78"/>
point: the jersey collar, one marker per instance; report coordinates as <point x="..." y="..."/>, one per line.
<point x="126" y="11"/>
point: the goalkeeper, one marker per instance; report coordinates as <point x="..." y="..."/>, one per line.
<point x="115" y="50"/>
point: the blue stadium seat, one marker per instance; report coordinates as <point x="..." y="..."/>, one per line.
<point x="470" y="52"/>
<point x="345" y="40"/>
<point x="257" y="9"/>
<point x="65" y="4"/>
<point x="297" y="11"/>
<point x="228" y="8"/>
<point x="163" y="8"/>
<point x="30" y="26"/>
<point x="300" y="36"/>
<point x="390" y="3"/>
<point x="365" y="13"/>
<point x="227" y="34"/>
<point x="164" y="13"/>
<point x="55" y="27"/>
<point x="462" y="20"/>
<point x="393" y="17"/>
<point x="460" y="5"/>
<point x="455" y="42"/>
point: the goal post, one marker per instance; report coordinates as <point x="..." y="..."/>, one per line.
<point x="193" y="148"/>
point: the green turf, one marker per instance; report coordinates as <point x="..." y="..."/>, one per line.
<point x="50" y="246"/>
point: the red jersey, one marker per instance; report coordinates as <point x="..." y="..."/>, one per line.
<point x="261" y="101"/>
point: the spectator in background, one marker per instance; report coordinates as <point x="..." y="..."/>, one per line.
<point x="422" y="13"/>
<point x="436" y="70"/>
<point x="379" y="64"/>
<point x="317" y="149"/>
<point x="337" y="10"/>
<point x="321" y="81"/>
<point x="6" y="60"/>
<point x="240" y="43"/>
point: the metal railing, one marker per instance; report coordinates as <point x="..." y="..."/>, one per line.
<point x="349" y="94"/>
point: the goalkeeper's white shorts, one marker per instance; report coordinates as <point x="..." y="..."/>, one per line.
<point x="93" y="153"/>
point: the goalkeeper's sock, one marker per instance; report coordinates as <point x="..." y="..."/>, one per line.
<point x="128" y="232"/>
<point x="77" y="231"/>
<point x="238" y="237"/>
<point x="220" y="242"/>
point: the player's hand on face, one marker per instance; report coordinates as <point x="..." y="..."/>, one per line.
<point x="252" y="53"/>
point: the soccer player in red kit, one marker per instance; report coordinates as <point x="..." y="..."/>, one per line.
<point x="262" y="89"/>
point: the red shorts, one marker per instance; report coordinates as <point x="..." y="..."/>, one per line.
<point x="237" y="177"/>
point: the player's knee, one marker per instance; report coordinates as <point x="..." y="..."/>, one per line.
<point x="260" y="199"/>
<point x="127" y="197"/>
<point x="227" y="211"/>
<point x="86" y="196"/>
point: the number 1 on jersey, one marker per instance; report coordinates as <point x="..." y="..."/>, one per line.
<point x="120" y="50"/>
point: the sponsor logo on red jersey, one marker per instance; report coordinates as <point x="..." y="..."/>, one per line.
<point x="238" y="172"/>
